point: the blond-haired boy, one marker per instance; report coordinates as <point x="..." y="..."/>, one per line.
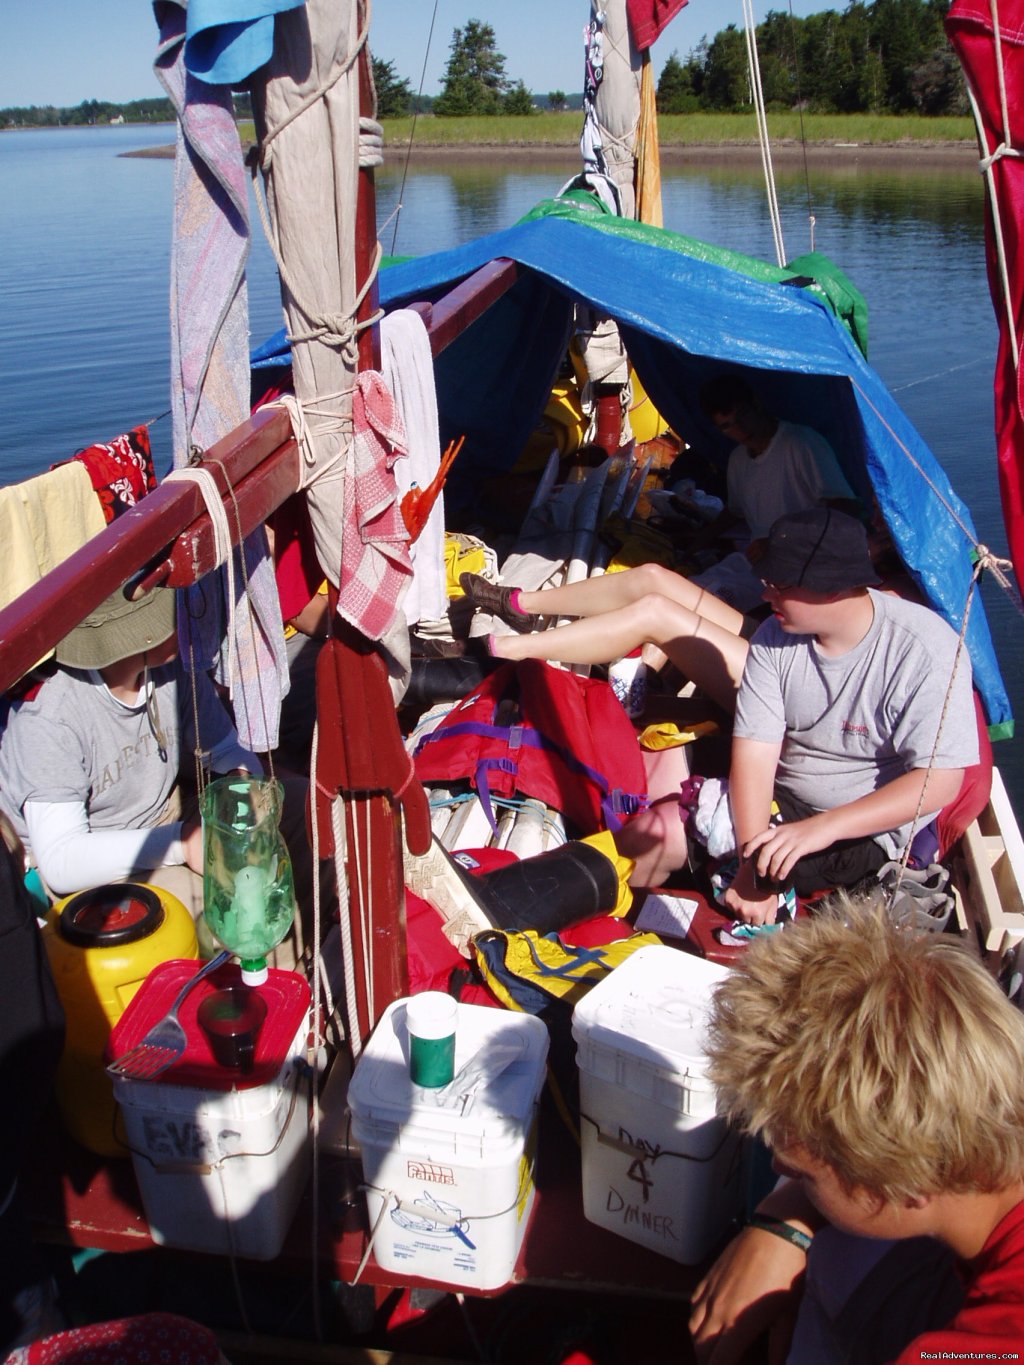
<point x="885" y="1070"/>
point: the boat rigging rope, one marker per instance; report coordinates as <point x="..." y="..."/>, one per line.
<point x="984" y="559"/>
<point x="999" y="567"/>
<point x="318" y="1033"/>
<point x="757" y="93"/>
<point x="811" y="220"/>
<point x="1004" y="149"/>
<point x="341" y="876"/>
<point x="625" y="144"/>
<point x="397" y="211"/>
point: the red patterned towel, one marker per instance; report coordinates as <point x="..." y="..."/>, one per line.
<point x="376" y="568"/>
<point x="121" y="470"/>
<point x="152" y="1337"/>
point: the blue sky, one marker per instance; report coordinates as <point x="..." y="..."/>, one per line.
<point x="63" y="51"/>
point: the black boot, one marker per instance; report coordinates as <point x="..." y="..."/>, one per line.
<point x="497" y="601"/>
<point x="547" y="893"/>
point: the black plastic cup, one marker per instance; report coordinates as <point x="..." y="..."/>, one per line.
<point x="232" y="1018"/>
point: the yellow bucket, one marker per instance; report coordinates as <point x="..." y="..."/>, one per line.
<point x="645" y="419"/>
<point x="102" y="944"/>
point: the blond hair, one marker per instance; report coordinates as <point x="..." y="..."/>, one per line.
<point x="892" y="1056"/>
<point x="10" y="840"/>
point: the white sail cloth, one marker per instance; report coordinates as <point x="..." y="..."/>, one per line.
<point x="306" y="104"/>
<point x="611" y="99"/>
<point x="408" y="369"/>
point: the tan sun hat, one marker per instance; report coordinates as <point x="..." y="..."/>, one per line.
<point x="119" y="628"/>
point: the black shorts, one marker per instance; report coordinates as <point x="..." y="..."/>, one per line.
<point x="845" y="863"/>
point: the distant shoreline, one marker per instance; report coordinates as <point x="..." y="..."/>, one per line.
<point x="961" y="154"/>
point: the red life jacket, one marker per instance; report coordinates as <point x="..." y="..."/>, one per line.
<point x="546" y="733"/>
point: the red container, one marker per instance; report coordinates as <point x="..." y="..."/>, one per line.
<point x="287" y="998"/>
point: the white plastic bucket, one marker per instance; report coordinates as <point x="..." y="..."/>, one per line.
<point x="659" y="1166"/>
<point x="220" y="1171"/>
<point x="449" y="1173"/>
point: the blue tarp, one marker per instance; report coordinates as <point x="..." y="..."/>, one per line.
<point x="684" y="319"/>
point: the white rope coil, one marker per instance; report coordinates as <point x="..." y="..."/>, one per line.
<point x="207" y="485"/>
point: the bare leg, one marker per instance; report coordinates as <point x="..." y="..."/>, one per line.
<point x="656" y="839"/>
<point x="592" y="596"/>
<point x="712" y="656"/>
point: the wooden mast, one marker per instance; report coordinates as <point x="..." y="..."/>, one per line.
<point x="360" y="751"/>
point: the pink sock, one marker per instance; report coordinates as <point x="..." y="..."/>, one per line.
<point x="513" y="601"/>
<point x="492" y="641"/>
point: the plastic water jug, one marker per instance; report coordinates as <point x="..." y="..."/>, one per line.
<point x="102" y="944"/>
<point x="248" y="888"/>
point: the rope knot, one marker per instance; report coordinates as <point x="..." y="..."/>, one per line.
<point x="999" y="568"/>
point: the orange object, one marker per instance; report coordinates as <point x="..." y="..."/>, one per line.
<point x="418" y="503"/>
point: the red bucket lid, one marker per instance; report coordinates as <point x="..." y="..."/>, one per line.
<point x="287" y="997"/>
<point x="110" y="916"/>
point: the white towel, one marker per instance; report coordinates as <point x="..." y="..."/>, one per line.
<point x="408" y="369"/>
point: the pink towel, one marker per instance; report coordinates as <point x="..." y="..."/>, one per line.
<point x="376" y="568"/>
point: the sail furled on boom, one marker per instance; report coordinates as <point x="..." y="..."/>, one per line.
<point x="242" y="638"/>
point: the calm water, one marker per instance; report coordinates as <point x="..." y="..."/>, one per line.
<point x="84" y="282"/>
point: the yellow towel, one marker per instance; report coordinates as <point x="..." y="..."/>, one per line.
<point x="42" y="522"/>
<point x="459" y="559"/>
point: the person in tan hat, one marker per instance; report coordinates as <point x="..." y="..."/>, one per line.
<point x="89" y="769"/>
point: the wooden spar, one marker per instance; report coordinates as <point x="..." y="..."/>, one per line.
<point x="360" y="754"/>
<point x="260" y="460"/>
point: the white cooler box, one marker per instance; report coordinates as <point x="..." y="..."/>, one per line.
<point x="659" y="1166"/>
<point x="449" y="1176"/>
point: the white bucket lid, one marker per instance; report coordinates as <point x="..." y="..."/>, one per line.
<point x="501" y="1102"/>
<point x="653" y="1007"/>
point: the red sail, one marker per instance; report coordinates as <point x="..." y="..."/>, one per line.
<point x="973" y="34"/>
<point x="647" y="18"/>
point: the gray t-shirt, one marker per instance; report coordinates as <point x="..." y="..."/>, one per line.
<point x="849" y="725"/>
<point x="797" y="470"/>
<point x="76" y="742"/>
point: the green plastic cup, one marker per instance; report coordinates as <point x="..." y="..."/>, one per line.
<point x="430" y="1018"/>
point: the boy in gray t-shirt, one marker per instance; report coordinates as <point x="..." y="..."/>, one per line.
<point x="837" y="715"/>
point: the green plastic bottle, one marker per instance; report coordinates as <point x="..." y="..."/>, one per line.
<point x="248" y="888"/>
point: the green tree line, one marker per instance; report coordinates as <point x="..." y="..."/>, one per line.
<point x="877" y="56"/>
<point x="88" y="113"/>
<point x="92" y="112"/>
<point x="889" y="56"/>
